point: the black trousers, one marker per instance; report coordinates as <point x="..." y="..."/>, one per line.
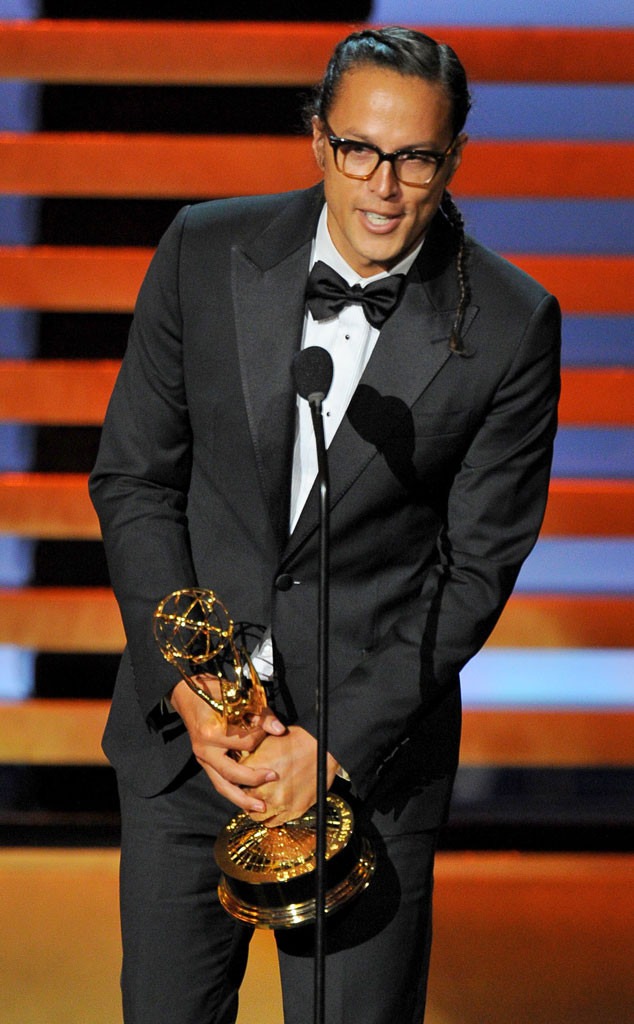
<point x="184" y="957"/>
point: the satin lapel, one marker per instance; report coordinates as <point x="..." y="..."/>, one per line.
<point x="268" y="281"/>
<point x="411" y="349"/>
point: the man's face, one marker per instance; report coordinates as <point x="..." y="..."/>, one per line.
<point x="375" y="223"/>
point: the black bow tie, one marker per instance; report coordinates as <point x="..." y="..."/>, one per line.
<point x="327" y="293"/>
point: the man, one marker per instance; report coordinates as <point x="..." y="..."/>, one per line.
<point x="440" y="425"/>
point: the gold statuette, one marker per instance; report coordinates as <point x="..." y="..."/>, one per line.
<point x="268" y="875"/>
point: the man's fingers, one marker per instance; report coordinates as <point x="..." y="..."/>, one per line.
<point x="242" y="798"/>
<point x="238" y="773"/>
<point x="271" y="724"/>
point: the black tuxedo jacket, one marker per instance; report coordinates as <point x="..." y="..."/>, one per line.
<point x="439" y="476"/>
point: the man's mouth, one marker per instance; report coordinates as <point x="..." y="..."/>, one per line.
<point x="379" y="219"/>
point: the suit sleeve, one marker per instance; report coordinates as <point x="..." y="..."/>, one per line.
<point x="495" y="509"/>
<point x="140" y="480"/>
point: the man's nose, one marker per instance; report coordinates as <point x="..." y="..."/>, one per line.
<point x="384" y="181"/>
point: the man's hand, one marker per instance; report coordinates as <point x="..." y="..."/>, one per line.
<point x="293" y="756"/>
<point x="216" y="748"/>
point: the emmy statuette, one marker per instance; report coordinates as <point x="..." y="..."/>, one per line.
<point x="267" y="873"/>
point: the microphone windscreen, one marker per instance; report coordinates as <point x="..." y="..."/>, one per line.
<point x="312" y="372"/>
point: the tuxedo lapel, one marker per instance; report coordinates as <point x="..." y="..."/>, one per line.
<point x="268" y="281"/>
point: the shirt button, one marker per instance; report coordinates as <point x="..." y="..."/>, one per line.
<point x="284" y="581"/>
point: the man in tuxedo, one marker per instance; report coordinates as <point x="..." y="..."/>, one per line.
<point x="439" y="423"/>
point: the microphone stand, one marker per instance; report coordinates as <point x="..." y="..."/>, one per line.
<point x="315" y="401"/>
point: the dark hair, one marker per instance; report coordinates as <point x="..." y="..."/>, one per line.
<point x="407" y="52"/>
<point x="399" y="49"/>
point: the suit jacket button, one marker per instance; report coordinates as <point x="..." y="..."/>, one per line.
<point x="284" y="581"/>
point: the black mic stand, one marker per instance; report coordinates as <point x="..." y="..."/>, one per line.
<point x="313" y="372"/>
<point x="314" y="401"/>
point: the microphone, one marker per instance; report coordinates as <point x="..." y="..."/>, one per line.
<point x="312" y="372"/>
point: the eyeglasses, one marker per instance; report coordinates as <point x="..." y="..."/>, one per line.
<point x="417" y="167"/>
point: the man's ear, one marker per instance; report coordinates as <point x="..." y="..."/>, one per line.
<point x="319" y="142"/>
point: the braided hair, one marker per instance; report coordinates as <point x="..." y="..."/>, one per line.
<point x="453" y="215"/>
<point x="409" y="53"/>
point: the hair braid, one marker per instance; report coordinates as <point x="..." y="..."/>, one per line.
<point x="453" y="215"/>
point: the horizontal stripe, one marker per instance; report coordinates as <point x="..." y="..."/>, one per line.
<point x="17" y="447"/>
<point x="19" y="105"/>
<point x="87" y="619"/>
<point x="56" y="391"/>
<point x="18" y="333"/>
<point x="203" y="166"/>
<point x="492" y="12"/>
<point x="598" y="340"/>
<point x="583" y="508"/>
<point x="103" y="279"/>
<point x="584" y="284"/>
<point x="16" y="561"/>
<point x="517" y="111"/>
<point x="57" y="505"/>
<point x="564" y="620"/>
<point x="594" y="452"/>
<point x="52" y="731"/>
<point x="565" y="226"/>
<point x="17" y="672"/>
<point x="76" y="391"/>
<point x="597" y="397"/>
<point x="19" y="217"/>
<point x="254" y="53"/>
<point x="591" y="565"/>
<point x="576" y="677"/>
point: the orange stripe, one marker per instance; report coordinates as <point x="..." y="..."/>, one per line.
<point x="80" y="279"/>
<point x="153" y="165"/>
<point x="542" y="54"/>
<point x="87" y="619"/>
<point x="56" y="391"/>
<point x="69" y="732"/>
<point x="72" y="619"/>
<point x="107" y="279"/>
<point x="544" y="170"/>
<point x="57" y="505"/>
<point x="52" y="731"/>
<point x="584" y="284"/>
<point x="77" y="391"/>
<point x="288" y="54"/>
<point x="590" y="508"/>
<point x="511" y="737"/>
<point x="599" y="396"/>
<point x="538" y="620"/>
<point x="197" y="167"/>
<point x="52" y="505"/>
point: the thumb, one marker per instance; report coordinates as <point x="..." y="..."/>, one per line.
<point x="270" y="723"/>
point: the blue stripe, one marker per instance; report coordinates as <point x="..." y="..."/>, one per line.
<point x="598" y="341"/>
<point x="594" y="452"/>
<point x="18" y="333"/>
<point x="520" y="111"/>
<point x="17" y="445"/>
<point x="16" y="560"/>
<point x="566" y="566"/>
<point x="571" y="678"/>
<point x="17" y="670"/>
<point x="550" y="226"/>
<point x="19" y="111"/>
<point x="494" y="12"/>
